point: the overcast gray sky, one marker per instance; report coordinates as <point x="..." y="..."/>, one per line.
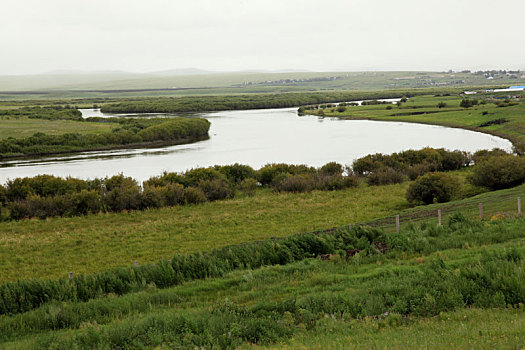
<point x="38" y="36"/>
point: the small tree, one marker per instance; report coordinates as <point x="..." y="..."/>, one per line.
<point x="441" y="104"/>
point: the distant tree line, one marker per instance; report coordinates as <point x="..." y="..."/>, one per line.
<point x="255" y="101"/>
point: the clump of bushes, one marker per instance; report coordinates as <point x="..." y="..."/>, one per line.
<point x="381" y="169"/>
<point x="499" y="172"/>
<point x="433" y="187"/>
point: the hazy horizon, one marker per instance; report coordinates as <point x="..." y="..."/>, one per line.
<point x="240" y="35"/>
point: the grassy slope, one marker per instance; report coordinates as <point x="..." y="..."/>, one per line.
<point x="464" y="328"/>
<point x="25" y="127"/>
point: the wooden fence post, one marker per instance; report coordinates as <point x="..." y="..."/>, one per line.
<point x="136" y="263"/>
<point x="439" y="216"/>
<point x="519" y="205"/>
<point x="70" y="274"/>
<point x="481" y="210"/>
<point x="397" y="223"/>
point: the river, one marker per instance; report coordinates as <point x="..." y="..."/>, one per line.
<point x="258" y="137"/>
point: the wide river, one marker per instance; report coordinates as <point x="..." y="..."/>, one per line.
<point x="258" y="137"/>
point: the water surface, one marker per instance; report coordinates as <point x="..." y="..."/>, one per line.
<point x="258" y="137"/>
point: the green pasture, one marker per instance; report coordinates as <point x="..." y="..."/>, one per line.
<point x="22" y="127"/>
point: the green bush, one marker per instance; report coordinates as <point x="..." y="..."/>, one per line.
<point x="499" y="172"/>
<point x="296" y="183"/>
<point x="331" y="168"/>
<point x="385" y="176"/>
<point x="193" y="195"/>
<point x="236" y="173"/>
<point x="248" y="186"/>
<point x="215" y="189"/>
<point x="194" y="176"/>
<point x="432" y="187"/>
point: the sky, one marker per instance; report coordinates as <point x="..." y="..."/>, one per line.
<point x="229" y="35"/>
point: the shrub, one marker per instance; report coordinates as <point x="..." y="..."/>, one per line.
<point x="215" y="189"/>
<point x="272" y="173"/>
<point x="296" y="183"/>
<point x="485" y="154"/>
<point x="335" y="182"/>
<point x="248" y="186"/>
<point x="441" y="105"/>
<point x="385" y="176"/>
<point x="85" y="202"/>
<point x="193" y="195"/>
<point x="331" y="168"/>
<point x="236" y="173"/>
<point x="499" y="172"/>
<point x="432" y="187"/>
<point x="192" y="177"/>
<point x="122" y="193"/>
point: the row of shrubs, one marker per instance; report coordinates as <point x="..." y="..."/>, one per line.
<point x="45" y="195"/>
<point x="368" y="243"/>
<point x="128" y="133"/>
<point x="493" y="171"/>
<point x="380" y="169"/>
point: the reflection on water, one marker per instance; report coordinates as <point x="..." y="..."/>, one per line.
<point x="257" y="137"/>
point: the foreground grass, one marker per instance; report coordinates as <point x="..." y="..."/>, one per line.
<point x="22" y="127"/>
<point x="29" y="248"/>
<point x="464" y="329"/>
<point x="321" y="296"/>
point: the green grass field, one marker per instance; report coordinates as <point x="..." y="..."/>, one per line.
<point x="24" y="127"/>
<point x="28" y="248"/>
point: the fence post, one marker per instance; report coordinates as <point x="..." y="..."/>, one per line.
<point x="439" y="217"/>
<point x="519" y="205"/>
<point x="481" y="211"/>
<point x="136" y="263"/>
<point x="349" y="226"/>
<point x="70" y="274"/>
<point x="397" y="223"/>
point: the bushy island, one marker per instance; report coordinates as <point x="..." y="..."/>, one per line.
<point x="129" y="132"/>
<point x="45" y="195"/>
